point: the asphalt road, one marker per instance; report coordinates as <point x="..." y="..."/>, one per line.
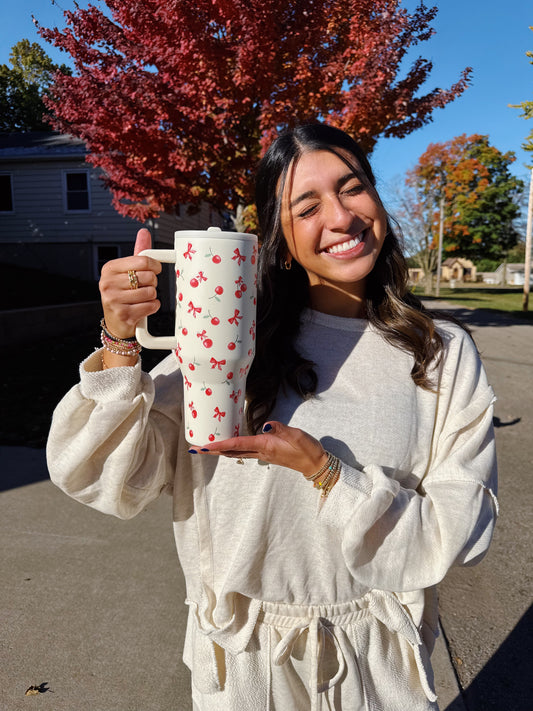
<point x="94" y="607"/>
<point x="486" y="611"/>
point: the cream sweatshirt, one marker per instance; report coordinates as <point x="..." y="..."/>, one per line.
<point x="417" y="492"/>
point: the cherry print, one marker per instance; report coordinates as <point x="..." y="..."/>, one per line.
<point x="207" y="342"/>
<point x="184" y="331"/>
<point x="194" y="283"/>
<point x="219" y="290"/>
<point x="208" y="391"/>
<point x="230" y="376"/>
<point x="231" y="346"/>
<point x="215" y="320"/>
<point x="211" y="437"/>
<point x="238" y="294"/>
<point x="216" y="259"/>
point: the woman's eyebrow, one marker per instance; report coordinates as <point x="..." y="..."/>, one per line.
<point x="311" y="193"/>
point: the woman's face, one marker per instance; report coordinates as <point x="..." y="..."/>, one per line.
<point x="334" y="226"/>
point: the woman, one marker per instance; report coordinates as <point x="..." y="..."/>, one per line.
<point x="368" y="471"/>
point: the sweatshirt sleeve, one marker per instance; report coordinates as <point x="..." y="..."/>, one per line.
<point x="113" y="439"/>
<point x="401" y="539"/>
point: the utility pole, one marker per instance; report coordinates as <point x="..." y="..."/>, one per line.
<point x="527" y="269"/>
<point x="441" y="236"/>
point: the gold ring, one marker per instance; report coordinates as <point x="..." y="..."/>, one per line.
<point x="132" y="276"/>
<point x="240" y="460"/>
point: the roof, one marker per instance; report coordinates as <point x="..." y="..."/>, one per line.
<point x="44" y="145"/>
<point x="462" y="261"/>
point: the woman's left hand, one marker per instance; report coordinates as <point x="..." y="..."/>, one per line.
<point x="278" y="444"/>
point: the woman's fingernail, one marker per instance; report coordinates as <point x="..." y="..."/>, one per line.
<point x="193" y="451"/>
<point x="267" y="427"/>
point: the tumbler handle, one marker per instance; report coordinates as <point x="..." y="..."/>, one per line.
<point x="168" y="256"/>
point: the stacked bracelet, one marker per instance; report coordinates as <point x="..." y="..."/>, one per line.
<point x="333" y="468"/>
<point x="119" y="346"/>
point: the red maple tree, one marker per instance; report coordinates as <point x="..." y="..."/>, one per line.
<point x="176" y="100"/>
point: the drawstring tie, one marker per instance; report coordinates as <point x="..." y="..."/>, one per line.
<point x="318" y="630"/>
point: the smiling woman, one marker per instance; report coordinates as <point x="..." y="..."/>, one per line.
<point x="311" y="545"/>
<point x="334" y="226"/>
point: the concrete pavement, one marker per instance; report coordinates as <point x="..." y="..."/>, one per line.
<point x="94" y="606"/>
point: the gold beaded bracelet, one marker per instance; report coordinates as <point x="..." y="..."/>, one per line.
<point x="333" y="468"/>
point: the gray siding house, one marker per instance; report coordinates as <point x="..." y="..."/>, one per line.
<point x="56" y="213"/>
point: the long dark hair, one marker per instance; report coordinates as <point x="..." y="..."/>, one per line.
<point x="282" y="294"/>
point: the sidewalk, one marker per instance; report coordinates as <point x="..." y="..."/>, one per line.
<point x="95" y="607"/>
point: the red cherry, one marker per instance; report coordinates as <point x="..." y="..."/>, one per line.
<point x="184" y="331"/>
<point x="191" y="366"/>
<point x="211" y="437"/>
<point x="231" y="346"/>
<point x="219" y="290"/>
<point x="215" y="321"/>
<point x="180" y="296"/>
<point x="217" y="259"/>
<point x="243" y="287"/>
<point x="194" y="283"/>
<point x="191" y="434"/>
<point x="208" y="391"/>
<point x="207" y="342"/>
<point x="230" y="376"/>
<point x="194" y="414"/>
<point x="252" y="259"/>
<point x="238" y="294"/>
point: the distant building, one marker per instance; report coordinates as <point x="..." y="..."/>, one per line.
<point x="56" y="213"/>
<point x="458" y="269"/>
<point x="513" y="274"/>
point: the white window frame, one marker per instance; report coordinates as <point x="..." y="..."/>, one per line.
<point x="12" y="211"/>
<point x="81" y="171"/>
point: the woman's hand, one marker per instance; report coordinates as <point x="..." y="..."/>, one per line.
<point x="123" y="306"/>
<point x="279" y="444"/>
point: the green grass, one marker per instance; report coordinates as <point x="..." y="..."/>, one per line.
<point x="507" y="300"/>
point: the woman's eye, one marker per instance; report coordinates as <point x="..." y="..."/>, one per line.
<point x="354" y="189"/>
<point x="308" y="211"/>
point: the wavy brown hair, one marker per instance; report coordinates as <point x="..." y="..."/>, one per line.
<point x="282" y="295"/>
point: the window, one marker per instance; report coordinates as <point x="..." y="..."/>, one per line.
<point x="77" y="191"/>
<point x="6" y="193"/>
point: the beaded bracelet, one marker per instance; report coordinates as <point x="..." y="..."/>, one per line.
<point x="119" y="346"/>
<point x="333" y="468"/>
<point x="331" y="459"/>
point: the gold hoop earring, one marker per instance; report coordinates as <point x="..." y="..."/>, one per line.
<point x="287" y="265"/>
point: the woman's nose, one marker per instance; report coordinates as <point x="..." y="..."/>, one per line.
<point x="338" y="216"/>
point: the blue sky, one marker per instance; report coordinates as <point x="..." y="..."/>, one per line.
<point x="490" y="36"/>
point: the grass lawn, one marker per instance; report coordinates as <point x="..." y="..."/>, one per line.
<point x="509" y="300"/>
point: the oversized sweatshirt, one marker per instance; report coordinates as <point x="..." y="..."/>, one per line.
<point x="416" y="494"/>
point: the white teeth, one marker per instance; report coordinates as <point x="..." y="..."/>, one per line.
<point x="344" y="247"/>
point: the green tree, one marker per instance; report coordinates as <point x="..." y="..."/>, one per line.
<point x="23" y="85"/>
<point x="481" y="197"/>
<point x="527" y="112"/>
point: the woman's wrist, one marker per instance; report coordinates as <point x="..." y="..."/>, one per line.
<point x="327" y="475"/>
<point x="118" y="351"/>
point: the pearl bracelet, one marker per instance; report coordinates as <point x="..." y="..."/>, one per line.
<point x="119" y="346"/>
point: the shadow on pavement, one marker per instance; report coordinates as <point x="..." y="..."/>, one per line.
<point x="506" y="681"/>
<point x="481" y="317"/>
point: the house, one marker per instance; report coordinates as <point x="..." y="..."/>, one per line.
<point x="512" y="273"/>
<point x="458" y="269"/>
<point x="56" y="213"/>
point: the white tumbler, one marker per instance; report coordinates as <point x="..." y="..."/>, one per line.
<point x="214" y="337"/>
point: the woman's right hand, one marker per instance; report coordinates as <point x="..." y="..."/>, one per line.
<point x="123" y="306"/>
